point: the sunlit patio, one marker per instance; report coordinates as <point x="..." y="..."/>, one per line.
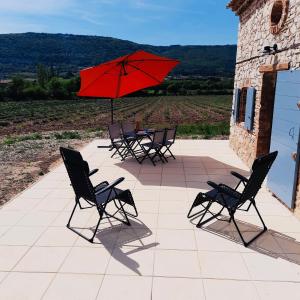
<point x="162" y="255"/>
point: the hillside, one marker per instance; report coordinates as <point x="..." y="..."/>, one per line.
<point x="20" y="53"/>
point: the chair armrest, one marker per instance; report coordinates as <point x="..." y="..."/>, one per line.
<point x="221" y="188"/>
<point x="110" y="186"/>
<point x="93" y="172"/>
<point x="239" y="176"/>
<point x="100" y="186"/>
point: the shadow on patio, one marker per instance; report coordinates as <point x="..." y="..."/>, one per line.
<point x="271" y="243"/>
<point x="122" y="241"/>
<point x="185" y="171"/>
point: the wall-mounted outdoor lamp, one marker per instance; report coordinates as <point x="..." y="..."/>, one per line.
<point x="270" y="50"/>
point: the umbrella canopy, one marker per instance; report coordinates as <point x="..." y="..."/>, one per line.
<point x="125" y="75"/>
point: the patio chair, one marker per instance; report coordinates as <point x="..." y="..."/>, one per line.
<point x="117" y="141"/>
<point x="168" y="142"/>
<point x="232" y="199"/>
<point x="153" y="148"/>
<point x="131" y="138"/>
<point x="128" y="129"/>
<point x="99" y="196"/>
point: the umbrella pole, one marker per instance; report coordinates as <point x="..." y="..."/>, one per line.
<point x="112" y="111"/>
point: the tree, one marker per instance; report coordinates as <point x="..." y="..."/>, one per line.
<point x="15" y="88"/>
<point x="57" y="89"/>
<point x="35" y="92"/>
<point x="42" y="75"/>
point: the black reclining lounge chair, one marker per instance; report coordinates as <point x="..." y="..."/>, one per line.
<point x="232" y="199"/>
<point x="99" y="196"/>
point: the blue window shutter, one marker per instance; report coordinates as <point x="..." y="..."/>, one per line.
<point x="237" y="97"/>
<point x="250" y="104"/>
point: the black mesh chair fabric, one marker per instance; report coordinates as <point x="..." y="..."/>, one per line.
<point x="232" y="199"/>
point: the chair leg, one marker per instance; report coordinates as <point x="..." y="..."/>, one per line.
<point x="214" y="216"/>
<point x="96" y="229"/>
<point x="77" y="202"/>
<point x="246" y="244"/>
<point x="198" y="201"/>
<point x="168" y="150"/>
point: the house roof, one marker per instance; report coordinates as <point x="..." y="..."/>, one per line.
<point x="238" y="6"/>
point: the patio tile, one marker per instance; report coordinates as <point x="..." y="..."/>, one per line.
<point x="177" y="289"/>
<point x="223" y="265"/>
<point x="278" y="290"/>
<point x="176" y="239"/>
<point x="145" y="195"/>
<point x="175" y="263"/>
<point x="148" y="184"/>
<point x="147" y="206"/>
<point x="38" y="219"/>
<point x="196" y="178"/>
<point x="173" y="185"/>
<point x="173" y="195"/>
<point x="207" y="241"/>
<point x="3" y="229"/>
<point x="57" y="236"/>
<point x="3" y="275"/>
<point x="174" y="170"/>
<point x="174" y="221"/>
<point x="10" y="255"/>
<point x="50" y="204"/>
<point x="20" y="204"/>
<point x="131" y="261"/>
<point x="74" y="286"/>
<point x="19" y="286"/>
<point x="9" y="218"/>
<point x="149" y="177"/>
<point x="141" y="237"/>
<point x="195" y="171"/>
<point x="125" y="287"/>
<point x="18" y="235"/>
<point x="174" y="207"/>
<point x="35" y="193"/>
<point x="86" y="260"/>
<point x="264" y="267"/>
<point x="146" y="219"/>
<point x="42" y="259"/>
<point x="230" y="290"/>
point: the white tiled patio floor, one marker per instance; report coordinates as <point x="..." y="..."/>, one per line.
<point x="162" y="255"/>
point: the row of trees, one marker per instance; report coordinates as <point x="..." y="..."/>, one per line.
<point x="49" y="85"/>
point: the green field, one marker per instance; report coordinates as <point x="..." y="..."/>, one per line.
<point x="196" y="115"/>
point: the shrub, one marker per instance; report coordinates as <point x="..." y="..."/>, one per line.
<point x="67" y="135"/>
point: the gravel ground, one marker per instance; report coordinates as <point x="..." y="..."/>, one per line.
<point x="23" y="162"/>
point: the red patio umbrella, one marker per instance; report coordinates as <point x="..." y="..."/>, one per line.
<point x="125" y="75"/>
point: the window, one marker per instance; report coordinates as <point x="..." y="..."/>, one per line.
<point x="242" y="106"/>
<point x="278" y="15"/>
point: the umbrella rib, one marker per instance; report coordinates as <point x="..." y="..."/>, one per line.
<point x="149" y="75"/>
<point x="152" y="59"/>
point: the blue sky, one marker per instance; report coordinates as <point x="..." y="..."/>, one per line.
<point x="156" y="22"/>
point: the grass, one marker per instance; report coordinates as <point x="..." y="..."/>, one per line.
<point x="205" y="130"/>
<point x="10" y="140"/>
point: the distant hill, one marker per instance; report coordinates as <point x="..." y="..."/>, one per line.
<point x="20" y="53"/>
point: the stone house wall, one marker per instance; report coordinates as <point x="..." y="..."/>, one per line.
<point x="254" y="34"/>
